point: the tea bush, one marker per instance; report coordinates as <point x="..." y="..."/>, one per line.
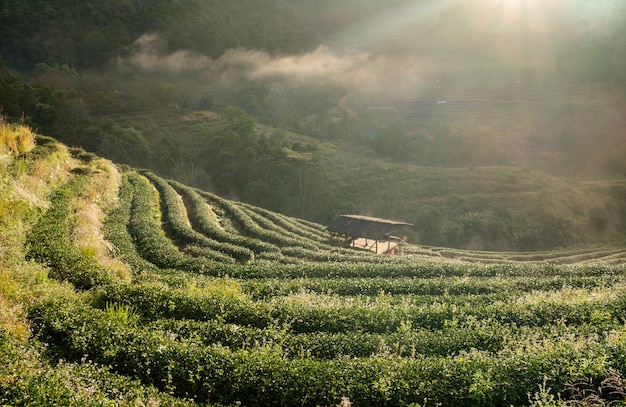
<point x="116" y="231"/>
<point x="250" y="227"/>
<point x="50" y="242"/>
<point x="177" y="224"/>
<point x="149" y="238"/>
<point x="260" y="375"/>
<point x="209" y="225"/>
<point x="229" y="304"/>
<point x="26" y="380"/>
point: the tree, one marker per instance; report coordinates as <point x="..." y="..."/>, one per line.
<point x="71" y="119"/>
<point x="184" y="153"/>
<point x="239" y="121"/>
<point x="125" y="146"/>
<point x="16" y="96"/>
<point x="277" y="108"/>
<point x="225" y="171"/>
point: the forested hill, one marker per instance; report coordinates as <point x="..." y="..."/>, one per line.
<point x="84" y="34"/>
<point x="484" y="129"/>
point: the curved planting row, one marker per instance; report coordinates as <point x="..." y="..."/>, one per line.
<point x="404" y="342"/>
<point x="292" y="246"/>
<point x="288" y="236"/>
<point x="50" y="241"/>
<point x="392" y="268"/>
<point x="569" y="256"/>
<point x="434" y="286"/>
<point x="303" y="244"/>
<point x="242" y="221"/>
<point x="247" y="223"/>
<point x="616" y="259"/>
<point x="204" y="220"/>
<point x="145" y="229"/>
<point x="269" y="230"/>
<point x="306" y="246"/>
<point x="116" y="230"/>
<point x="382" y="313"/>
<point x="177" y="224"/>
<point x="234" y="305"/>
<point x="407" y="341"/>
<point x="291" y="225"/>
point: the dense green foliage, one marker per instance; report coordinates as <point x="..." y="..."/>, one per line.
<point x="302" y="322"/>
<point x="87" y="35"/>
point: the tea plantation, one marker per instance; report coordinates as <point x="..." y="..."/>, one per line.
<point x="119" y="287"/>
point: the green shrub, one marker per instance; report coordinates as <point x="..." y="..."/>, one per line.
<point x="260" y="375"/>
<point x="205" y="224"/>
<point x="149" y="238"/>
<point x="116" y="231"/>
<point x="50" y="242"/>
<point x="26" y="379"/>
<point x="178" y="227"/>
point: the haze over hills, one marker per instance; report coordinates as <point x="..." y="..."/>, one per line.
<point x="381" y="108"/>
<point x="168" y="245"/>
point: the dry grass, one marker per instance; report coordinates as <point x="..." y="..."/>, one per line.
<point x="108" y="180"/>
<point x="34" y="196"/>
<point x="34" y="182"/>
<point x="12" y="318"/>
<point x="56" y="164"/>
<point x="87" y="234"/>
<point x="15" y="139"/>
<point x="24" y="190"/>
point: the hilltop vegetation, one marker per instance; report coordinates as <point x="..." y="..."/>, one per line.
<point x="119" y="287"/>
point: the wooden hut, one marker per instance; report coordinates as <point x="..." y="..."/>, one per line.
<point x="367" y="232"/>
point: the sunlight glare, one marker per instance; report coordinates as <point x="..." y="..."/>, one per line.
<point x="507" y="16"/>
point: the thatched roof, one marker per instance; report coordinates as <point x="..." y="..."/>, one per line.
<point x="356" y="226"/>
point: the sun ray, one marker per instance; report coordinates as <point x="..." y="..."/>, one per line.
<point x="505" y="16"/>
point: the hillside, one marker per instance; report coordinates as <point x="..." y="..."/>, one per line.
<point x="492" y="126"/>
<point x="119" y="287"/>
<point x="495" y="207"/>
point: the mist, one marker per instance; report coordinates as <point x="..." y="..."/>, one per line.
<point x="350" y="69"/>
<point x="429" y="76"/>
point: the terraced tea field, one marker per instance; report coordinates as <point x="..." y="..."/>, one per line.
<point x="177" y="296"/>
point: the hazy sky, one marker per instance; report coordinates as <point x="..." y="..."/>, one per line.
<point x="415" y="32"/>
<point x="398" y="50"/>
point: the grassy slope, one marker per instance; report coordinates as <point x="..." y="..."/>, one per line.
<point x="38" y="182"/>
<point x="28" y="177"/>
